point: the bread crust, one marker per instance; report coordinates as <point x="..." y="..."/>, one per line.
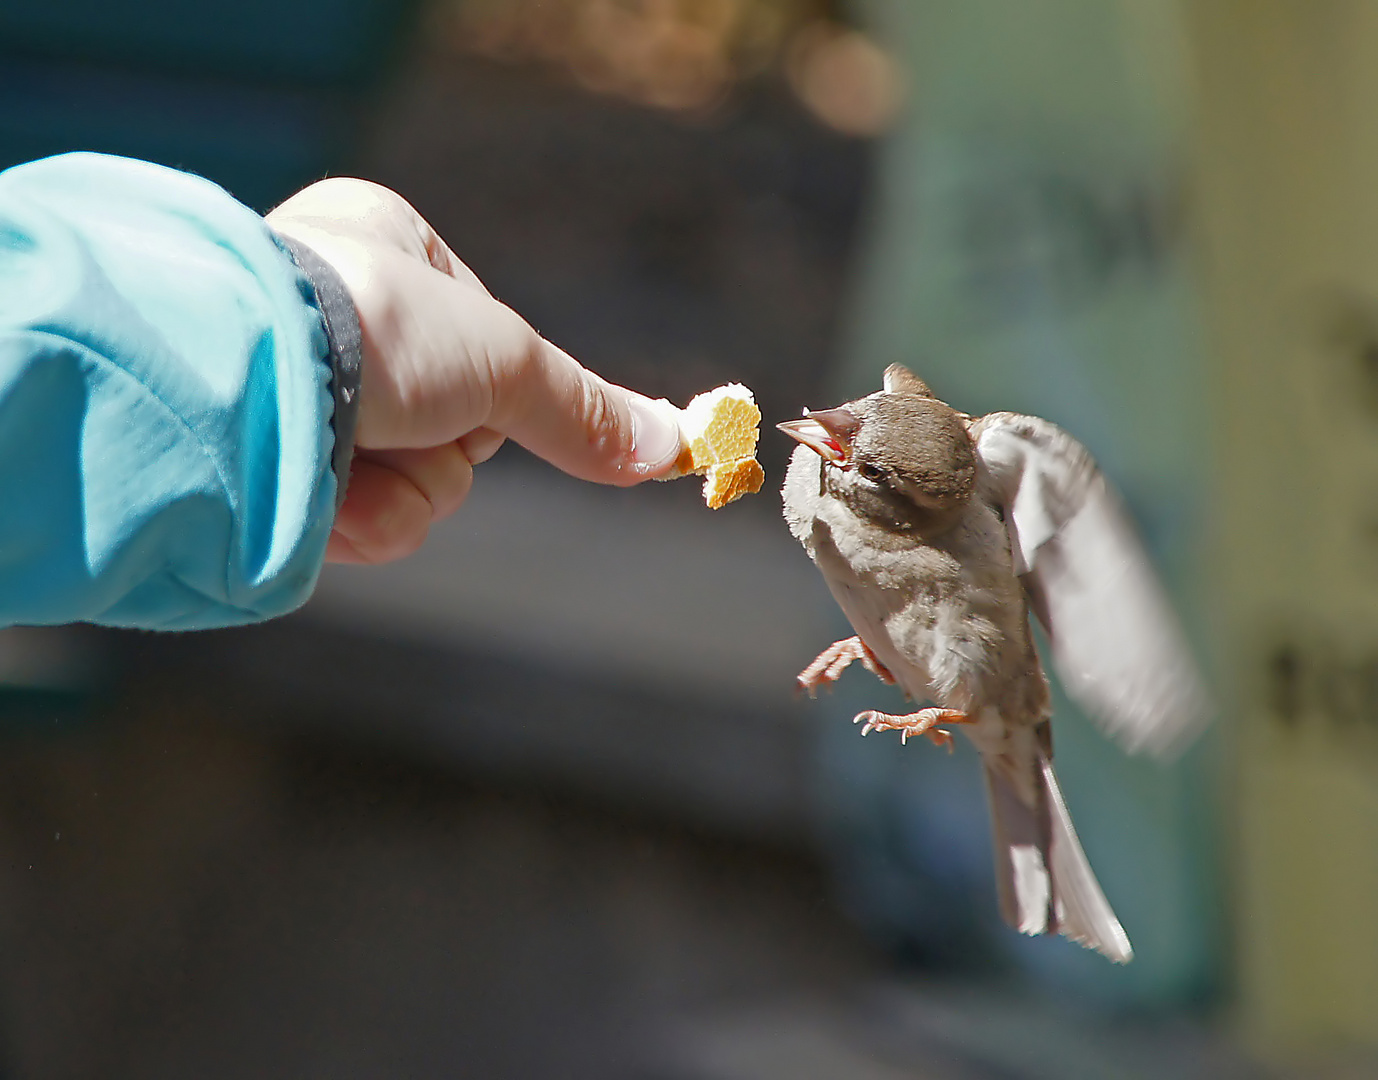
<point x="719" y="430"/>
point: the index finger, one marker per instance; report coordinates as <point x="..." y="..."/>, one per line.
<point x="581" y="423"/>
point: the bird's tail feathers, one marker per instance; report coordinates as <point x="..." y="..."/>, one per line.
<point x="1045" y="883"/>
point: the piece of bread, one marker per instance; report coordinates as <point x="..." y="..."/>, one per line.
<point x="719" y="430"/>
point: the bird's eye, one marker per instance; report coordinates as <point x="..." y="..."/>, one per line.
<point x="874" y="473"/>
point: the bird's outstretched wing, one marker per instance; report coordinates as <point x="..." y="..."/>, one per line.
<point x="1116" y="643"/>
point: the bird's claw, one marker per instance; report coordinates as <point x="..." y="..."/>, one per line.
<point x="835" y="659"/>
<point x="924" y="722"/>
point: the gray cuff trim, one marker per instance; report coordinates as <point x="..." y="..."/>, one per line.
<point x="346" y="352"/>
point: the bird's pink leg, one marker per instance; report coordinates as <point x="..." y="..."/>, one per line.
<point x="923" y="722"/>
<point x="835" y="659"/>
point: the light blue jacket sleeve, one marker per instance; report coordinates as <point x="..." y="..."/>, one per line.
<point x="165" y="403"/>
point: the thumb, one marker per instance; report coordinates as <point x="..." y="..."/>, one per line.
<point x="581" y="423"/>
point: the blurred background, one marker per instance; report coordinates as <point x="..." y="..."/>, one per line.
<point x="538" y="802"/>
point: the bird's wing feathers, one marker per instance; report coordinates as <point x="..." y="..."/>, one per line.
<point x="1116" y="643"/>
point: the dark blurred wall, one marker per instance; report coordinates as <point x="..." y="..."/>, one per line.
<point x="261" y="96"/>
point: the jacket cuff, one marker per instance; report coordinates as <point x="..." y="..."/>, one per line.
<point x="346" y="352"/>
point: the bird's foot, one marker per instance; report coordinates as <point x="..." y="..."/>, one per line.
<point x="923" y="722"/>
<point x="835" y="659"/>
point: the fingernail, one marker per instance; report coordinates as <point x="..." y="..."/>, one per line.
<point x="655" y="432"/>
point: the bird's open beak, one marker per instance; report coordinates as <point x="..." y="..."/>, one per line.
<point x="828" y="433"/>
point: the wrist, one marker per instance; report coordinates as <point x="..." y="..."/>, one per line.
<point x="336" y="305"/>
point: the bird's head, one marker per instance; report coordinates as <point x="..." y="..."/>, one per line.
<point x="899" y="457"/>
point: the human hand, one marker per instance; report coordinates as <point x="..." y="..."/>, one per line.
<point x="449" y="374"/>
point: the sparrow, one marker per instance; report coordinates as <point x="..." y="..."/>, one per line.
<point x="938" y="534"/>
